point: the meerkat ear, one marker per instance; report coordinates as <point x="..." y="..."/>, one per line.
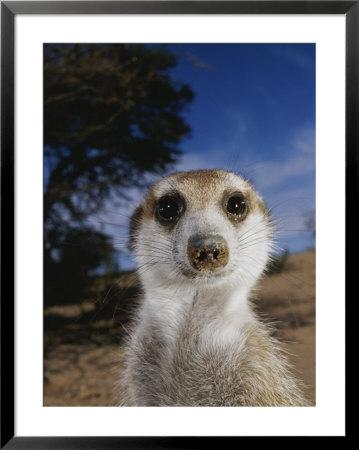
<point x="134" y="226"/>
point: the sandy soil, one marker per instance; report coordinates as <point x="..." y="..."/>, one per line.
<point x="288" y="301"/>
<point x="81" y="368"/>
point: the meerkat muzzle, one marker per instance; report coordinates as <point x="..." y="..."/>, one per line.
<point x="207" y="253"/>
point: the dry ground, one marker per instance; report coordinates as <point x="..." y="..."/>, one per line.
<point x="80" y="365"/>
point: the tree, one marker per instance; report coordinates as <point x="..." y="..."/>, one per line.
<point x="112" y="114"/>
<point x="69" y="269"/>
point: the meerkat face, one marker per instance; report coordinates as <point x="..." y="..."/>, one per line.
<point x="205" y="227"/>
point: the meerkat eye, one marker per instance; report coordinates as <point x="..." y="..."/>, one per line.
<point x="169" y="208"/>
<point x="236" y="205"/>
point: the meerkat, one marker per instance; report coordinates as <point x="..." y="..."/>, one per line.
<point x="202" y="240"/>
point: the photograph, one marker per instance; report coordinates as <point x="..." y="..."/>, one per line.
<point x="179" y="224"/>
<point x="176" y="234"/>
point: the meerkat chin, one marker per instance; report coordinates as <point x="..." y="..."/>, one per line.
<point x="202" y="240"/>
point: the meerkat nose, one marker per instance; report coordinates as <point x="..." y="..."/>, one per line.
<point x="207" y="253"/>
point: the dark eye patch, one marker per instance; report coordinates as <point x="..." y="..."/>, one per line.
<point x="169" y="208"/>
<point x="235" y="206"/>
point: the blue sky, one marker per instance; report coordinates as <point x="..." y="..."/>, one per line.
<point x="253" y="113"/>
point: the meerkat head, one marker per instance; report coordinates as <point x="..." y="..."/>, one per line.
<point x="201" y="228"/>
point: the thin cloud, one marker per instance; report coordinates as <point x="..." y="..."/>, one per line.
<point x="298" y="162"/>
<point x="294" y="55"/>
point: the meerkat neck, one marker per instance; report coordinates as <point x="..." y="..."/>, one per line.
<point x="219" y="314"/>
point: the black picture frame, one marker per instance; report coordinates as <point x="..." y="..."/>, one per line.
<point x="9" y="9"/>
